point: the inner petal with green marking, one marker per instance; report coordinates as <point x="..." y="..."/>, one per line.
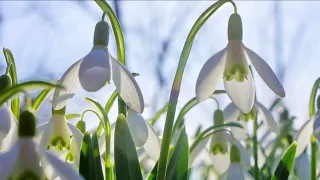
<point x="60" y="135"/>
<point x="236" y="65"/>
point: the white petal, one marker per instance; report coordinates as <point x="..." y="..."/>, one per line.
<point x="245" y="157"/>
<point x="316" y="126"/>
<point x="240" y="133"/>
<point x="197" y="150"/>
<point x="127" y="86"/>
<point x="235" y="172"/>
<point x="12" y="136"/>
<point x="267" y="117"/>
<point x="70" y="82"/>
<point x="266" y="73"/>
<point x="242" y="94"/>
<point x="95" y="70"/>
<point x="44" y="134"/>
<point x="64" y="170"/>
<point x="231" y="112"/>
<point x="75" y="142"/>
<point x="303" y="136"/>
<point x="302" y="166"/>
<point x="210" y="75"/>
<point x="221" y="162"/>
<point x="152" y="146"/>
<point x="138" y="127"/>
<point x="218" y="138"/>
<point x="8" y="160"/>
<point x="5" y="121"/>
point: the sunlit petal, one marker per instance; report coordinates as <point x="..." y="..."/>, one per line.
<point x="266" y="73"/>
<point x="267" y="117"/>
<point x="197" y="150"/>
<point x="12" y="136"/>
<point x="221" y="162"/>
<point x="138" y="127"/>
<point x="240" y="133"/>
<point x="231" y="112"/>
<point x="303" y="136"/>
<point x="127" y="86"/>
<point x="75" y="142"/>
<point x="210" y="75"/>
<point x="8" y="160"/>
<point x="63" y="170"/>
<point x="5" y="121"/>
<point x="152" y="146"/>
<point x="70" y="82"/>
<point x="95" y="70"/>
<point x="44" y="134"/>
<point x="241" y="93"/>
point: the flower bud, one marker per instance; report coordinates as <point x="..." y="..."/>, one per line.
<point x="5" y="82"/>
<point x="235" y="27"/>
<point x="218" y="117"/>
<point x="81" y="125"/>
<point x="234" y="154"/>
<point x="101" y="34"/>
<point x="27" y="124"/>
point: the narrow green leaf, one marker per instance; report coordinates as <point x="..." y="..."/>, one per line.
<point x="7" y="94"/>
<point x="154" y="119"/>
<point x="96" y="155"/>
<point x="284" y="167"/>
<point x="40" y="98"/>
<point x="15" y="103"/>
<point x="87" y="164"/>
<point x="72" y="116"/>
<point x="153" y="174"/>
<point x="179" y="162"/>
<point x="125" y="154"/>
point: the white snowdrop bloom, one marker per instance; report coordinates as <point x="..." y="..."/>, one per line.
<point x="233" y="114"/>
<point x="220" y="148"/>
<point x="236" y="171"/>
<point x="8" y="128"/>
<point x="96" y="69"/>
<point x="304" y="134"/>
<point x="230" y="64"/>
<point x="142" y="133"/>
<point x="302" y="166"/>
<point x="55" y="134"/>
<point x="22" y="161"/>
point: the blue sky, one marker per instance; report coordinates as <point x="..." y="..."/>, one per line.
<point x="47" y="37"/>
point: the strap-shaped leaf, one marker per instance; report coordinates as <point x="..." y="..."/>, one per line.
<point x="96" y="156"/>
<point x="7" y="94"/>
<point x="178" y="165"/>
<point x="125" y="154"/>
<point x="284" y="167"/>
<point x="87" y="164"/>
<point x="40" y="98"/>
<point x="15" y="103"/>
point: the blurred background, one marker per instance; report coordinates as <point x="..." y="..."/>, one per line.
<point x="47" y="37"/>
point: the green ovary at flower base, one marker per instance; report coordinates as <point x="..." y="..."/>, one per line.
<point x="230" y="64"/>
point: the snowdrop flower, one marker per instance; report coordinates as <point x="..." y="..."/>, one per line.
<point x="236" y="171"/>
<point x="220" y="148"/>
<point x="302" y="166"/>
<point x="22" y="160"/>
<point x="233" y="114"/>
<point x="96" y="69"/>
<point x="304" y="134"/>
<point x="230" y="64"/>
<point x="143" y="135"/>
<point x="56" y="134"/>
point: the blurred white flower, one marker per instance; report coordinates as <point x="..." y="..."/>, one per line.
<point x="230" y="64"/>
<point x="8" y="128"/>
<point x="302" y="166"/>
<point x="233" y="114"/>
<point x="96" y="69"/>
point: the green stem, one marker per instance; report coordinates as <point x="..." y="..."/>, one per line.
<point x="312" y="108"/>
<point x="313" y="157"/>
<point x="255" y="148"/>
<point x="166" y="140"/>
<point x="118" y="35"/>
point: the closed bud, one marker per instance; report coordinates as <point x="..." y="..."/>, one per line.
<point x="81" y="125"/>
<point x="218" y="117"/>
<point x="5" y="82"/>
<point x="27" y="124"/>
<point x="234" y="154"/>
<point x="235" y="27"/>
<point x="101" y="34"/>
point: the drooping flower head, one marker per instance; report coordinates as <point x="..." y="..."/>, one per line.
<point x="230" y="64"/>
